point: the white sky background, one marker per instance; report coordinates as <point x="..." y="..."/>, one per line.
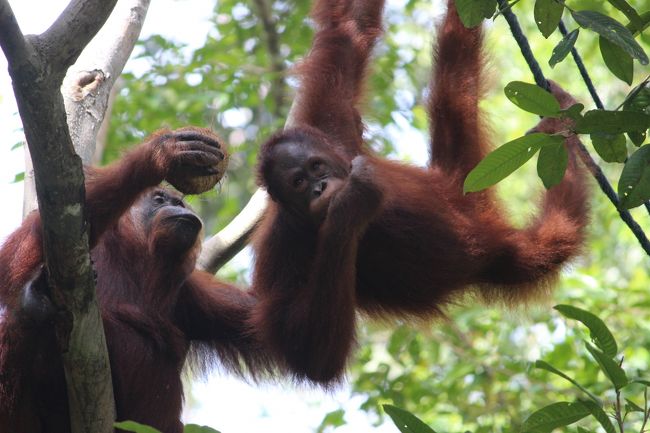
<point x="222" y="402"/>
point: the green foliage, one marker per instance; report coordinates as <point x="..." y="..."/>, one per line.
<point x="612" y="30"/>
<point x="600" y="334"/>
<point x="548" y="14"/>
<point x="500" y="163"/>
<point x="552" y="162"/>
<point x="135" y="427"/>
<point x="405" y="421"/>
<point x="617" y="60"/>
<point x="634" y="184"/>
<point x="606" y="128"/>
<point x="610" y="147"/>
<point x="612" y="122"/>
<point x="472" y="12"/>
<point x="555" y="415"/>
<point x="194" y="428"/>
<point x="532" y="98"/>
<point x="563" y="48"/>
<point x="132" y="426"/>
<point x="563" y="413"/>
<point x="474" y="372"/>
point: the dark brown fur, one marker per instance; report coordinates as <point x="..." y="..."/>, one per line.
<point x="155" y="306"/>
<point x="397" y="239"/>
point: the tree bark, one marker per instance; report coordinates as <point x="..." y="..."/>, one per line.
<point x="37" y="66"/>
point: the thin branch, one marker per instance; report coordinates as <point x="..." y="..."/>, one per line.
<point x="64" y="41"/>
<point x="583" y="71"/>
<point x="223" y="246"/>
<point x="12" y="41"/>
<point x="269" y="24"/>
<point x="87" y="86"/>
<point x="233" y="238"/>
<point x="595" y="170"/>
<point x="37" y="67"/>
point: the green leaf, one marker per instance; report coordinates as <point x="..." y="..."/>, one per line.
<point x="610" y="147"/>
<point x="573" y="112"/>
<point x="194" y="428"/>
<point x="636" y="137"/>
<point x="600" y="415"/>
<point x="547" y="15"/>
<point x="617" y="60"/>
<point x="583" y="430"/>
<point x="612" y="370"/>
<point x="634" y="184"/>
<point x="405" y="421"/>
<point x="473" y="12"/>
<point x="598" y="331"/>
<point x="563" y="48"/>
<point x="548" y="367"/>
<point x="135" y="427"/>
<point x="19" y="177"/>
<point x="332" y="419"/>
<point x="633" y="407"/>
<point x="612" y="122"/>
<point x="638" y="99"/>
<point x="552" y="162"/>
<point x="641" y="381"/>
<point x="501" y="162"/>
<point x="532" y="98"/>
<point x="18" y="145"/>
<point x="611" y="29"/>
<point x="629" y="12"/>
<point x="555" y="415"/>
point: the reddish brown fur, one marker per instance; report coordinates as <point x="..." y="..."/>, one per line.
<point x="397" y="239"/>
<point x="155" y="306"/>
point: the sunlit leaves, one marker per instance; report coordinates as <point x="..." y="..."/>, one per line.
<point x="600" y="415"/>
<point x="532" y="98"/>
<point x="500" y="163"/>
<point x="543" y="365"/>
<point x="555" y="415"/>
<point x="405" y="421"/>
<point x="599" y="332"/>
<point x="609" y="366"/>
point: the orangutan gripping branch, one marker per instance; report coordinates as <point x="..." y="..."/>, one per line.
<point x="348" y="229"/>
<point x="155" y="306"/>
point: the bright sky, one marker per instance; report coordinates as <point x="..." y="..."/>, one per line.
<point x="222" y="402"/>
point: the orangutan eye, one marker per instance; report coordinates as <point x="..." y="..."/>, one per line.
<point x="158" y="198"/>
<point x="298" y="181"/>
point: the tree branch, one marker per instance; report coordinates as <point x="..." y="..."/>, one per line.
<point x="233" y="238"/>
<point x="88" y="83"/>
<point x="223" y="246"/>
<point x="12" y="41"/>
<point x="64" y="41"/>
<point x="37" y="66"/>
<point x="278" y="85"/>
